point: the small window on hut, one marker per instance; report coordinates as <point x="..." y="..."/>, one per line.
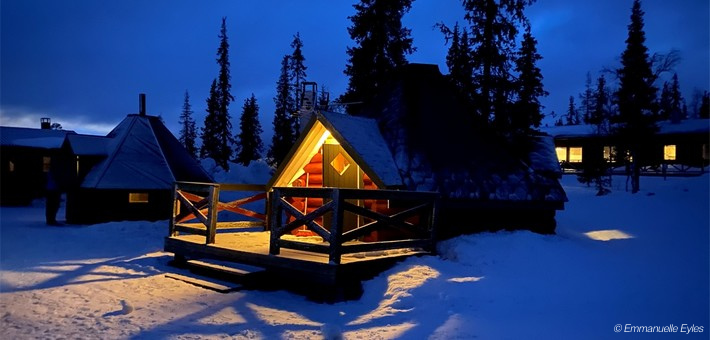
<point x="11" y="166"/>
<point x="561" y="153"/>
<point x="575" y="154"/>
<point x="669" y="152"/>
<point x="138" y="197"/>
<point x="46" y="163"/>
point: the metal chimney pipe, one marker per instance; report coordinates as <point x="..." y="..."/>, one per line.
<point x="141" y="104"/>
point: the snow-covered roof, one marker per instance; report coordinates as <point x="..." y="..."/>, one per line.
<point x="363" y="137"/>
<point x="143" y="154"/>
<point x="664" y="127"/>
<point x="88" y="145"/>
<point x="34" y="138"/>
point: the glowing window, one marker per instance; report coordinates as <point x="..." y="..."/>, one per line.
<point x="138" y="197"/>
<point x="561" y="153"/>
<point x="340" y="164"/>
<point x="11" y="166"/>
<point x="575" y="155"/>
<point x="46" y="163"/>
<point x="669" y="152"/>
<point x="609" y="152"/>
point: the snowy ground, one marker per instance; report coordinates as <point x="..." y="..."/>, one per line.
<point x="107" y="281"/>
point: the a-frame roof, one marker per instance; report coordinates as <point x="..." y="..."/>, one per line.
<point x="143" y="154"/>
<point x="360" y="138"/>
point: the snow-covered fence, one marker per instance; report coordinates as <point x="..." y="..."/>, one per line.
<point x="409" y="220"/>
<point x="201" y="202"/>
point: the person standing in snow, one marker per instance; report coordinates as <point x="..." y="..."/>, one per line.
<point x="53" y="196"/>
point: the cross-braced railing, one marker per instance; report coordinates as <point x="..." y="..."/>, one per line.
<point x="200" y="202"/>
<point x="408" y="221"/>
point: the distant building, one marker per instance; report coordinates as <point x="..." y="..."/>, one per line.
<point x="677" y="148"/>
<point x="128" y="174"/>
<point x="26" y="159"/>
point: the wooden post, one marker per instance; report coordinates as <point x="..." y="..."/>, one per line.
<point x="176" y="211"/>
<point x="275" y="222"/>
<point x="336" y="229"/>
<point x="432" y="223"/>
<point x="212" y="214"/>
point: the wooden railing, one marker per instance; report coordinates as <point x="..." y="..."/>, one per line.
<point x="410" y="220"/>
<point x="200" y="202"/>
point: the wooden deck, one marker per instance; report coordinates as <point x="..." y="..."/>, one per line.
<point x="252" y="248"/>
<point x="340" y="248"/>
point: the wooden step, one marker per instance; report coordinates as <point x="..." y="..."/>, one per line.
<point x="208" y="283"/>
<point x="233" y="270"/>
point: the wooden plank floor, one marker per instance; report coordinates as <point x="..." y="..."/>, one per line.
<point x="252" y="248"/>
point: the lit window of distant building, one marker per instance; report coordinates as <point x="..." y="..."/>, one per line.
<point x="561" y="153"/>
<point x="669" y="152"/>
<point x="575" y="154"/>
<point x="46" y="163"/>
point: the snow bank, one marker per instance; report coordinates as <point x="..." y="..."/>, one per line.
<point x="652" y="270"/>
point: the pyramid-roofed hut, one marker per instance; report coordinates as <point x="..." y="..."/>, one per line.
<point x="129" y="174"/>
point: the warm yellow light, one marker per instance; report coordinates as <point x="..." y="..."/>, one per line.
<point x="669" y="152"/>
<point x="561" y="153"/>
<point x="575" y="154"/>
<point x="608" y="235"/>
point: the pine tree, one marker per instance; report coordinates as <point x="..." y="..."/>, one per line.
<point x="217" y="137"/>
<point x="188" y="132"/>
<point x="572" y="116"/>
<point x="636" y="95"/>
<point x="458" y="60"/>
<point x="704" y="110"/>
<point x="599" y="116"/>
<point x="528" y="110"/>
<point x="664" y="103"/>
<point x="676" y="101"/>
<point x="284" y="134"/>
<point x="249" y="138"/>
<point x="297" y="75"/>
<point x="323" y="98"/>
<point x="383" y="44"/>
<point x="587" y="100"/>
<point x="494" y="26"/>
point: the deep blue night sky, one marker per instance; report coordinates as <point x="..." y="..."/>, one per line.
<point x="84" y="62"/>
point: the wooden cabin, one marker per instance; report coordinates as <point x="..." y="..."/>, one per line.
<point x="678" y="148"/>
<point x="26" y="160"/>
<point x="417" y="136"/>
<point x="127" y="175"/>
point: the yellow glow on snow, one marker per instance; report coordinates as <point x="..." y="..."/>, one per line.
<point x="274" y="317"/>
<point x="608" y="235"/>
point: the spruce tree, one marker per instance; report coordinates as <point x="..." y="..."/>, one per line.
<point x="704" y="110"/>
<point x="323" y="98"/>
<point x="528" y="110"/>
<point x="217" y="137"/>
<point x="188" y="132"/>
<point x="382" y="46"/>
<point x="249" y="138"/>
<point x="297" y="75"/>
<point x="636" y="95"/>
<point x="493" y="28"/>
<point x="676" y="101"/>
<point x="284" y="135"/>
<point x="587" y="100"/>
<point x="572" y="116"/>
<point x="458" y="60"/>
<point x="600" y="114"/>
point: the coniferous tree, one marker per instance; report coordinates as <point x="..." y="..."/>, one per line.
<point x="297" y="75"/>
<point x="704" y="110"/>
<point x="458" y="60"/>
<point x="587" y="99"/>
<point x="636" y="95"/>
<point x="249" y="138"/>
<point x="188" y="132"/>
<point x="600" y="115"/>
<point x="323" y="98"/>
<point x="676" y="101"/>
<point x="664" y="103"/>
<point x="572" y="116"/>
<point x="493" y="28"/>
<point x="528" y="110"/>
<point x="284" y="135"/>
<point x="382" y="46"/>
<point x="217" y="137"/>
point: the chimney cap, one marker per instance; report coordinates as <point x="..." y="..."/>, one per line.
<point x="141" y="104"/>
